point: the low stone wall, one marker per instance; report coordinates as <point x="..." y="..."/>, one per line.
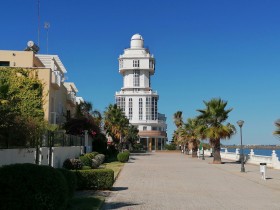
<point x="271" y="161"/>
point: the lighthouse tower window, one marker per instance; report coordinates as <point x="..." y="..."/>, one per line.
<point x="130" y="108"/>
<point x="136" y="63"/>
<point x="121" y="103"/>
<point x="140" y="109"/>
<point x="136" y="78"/>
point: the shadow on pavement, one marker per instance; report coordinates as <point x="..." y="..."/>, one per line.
<point x="119" y="188"/>
<point x="117" y="205"/>
<point x="140" y="154"/>
<point x="230" y="162"/>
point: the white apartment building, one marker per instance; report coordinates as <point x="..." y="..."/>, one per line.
<point x="137" y="99"/>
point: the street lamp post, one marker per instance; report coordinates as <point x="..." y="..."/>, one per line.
<point x="240" y="124"/>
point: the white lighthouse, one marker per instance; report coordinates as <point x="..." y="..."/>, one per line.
<point x="136" y="98"/>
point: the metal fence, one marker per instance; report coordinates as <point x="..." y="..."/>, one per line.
<point x="49" y="139"/>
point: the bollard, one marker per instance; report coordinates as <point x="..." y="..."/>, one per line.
<point x="263" y="170"/>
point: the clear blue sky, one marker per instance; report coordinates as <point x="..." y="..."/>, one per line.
<point x="203" y="49"/>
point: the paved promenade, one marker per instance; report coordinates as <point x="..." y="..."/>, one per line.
<point x="176" y="181"/>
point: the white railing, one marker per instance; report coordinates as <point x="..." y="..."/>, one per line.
<point x="271" y="161"/>
<point x="71" y="97"/>
<point x="56" y="78"/>
<point x="138" y="92"/>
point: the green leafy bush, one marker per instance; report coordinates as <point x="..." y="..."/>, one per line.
<point x="29" y="186"/>
<point x="72" y="164"/>
<point x="86" y="160"/>
<point x="100" y="158"/>
<point x="123" y="157"/>
<point x="170" y="146"/>
<point x="86" y="167"/>
<point x="100" y="179"/>
<point x="95" y="164"/>
<point x="92" y="154"/>
<point x="71" y="180"/>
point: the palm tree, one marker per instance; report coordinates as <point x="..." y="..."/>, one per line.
<point x="178" y="121"/>
<point x="115" y="122"/>
<point x="177" y="118"/>
<point x="213" y="116"/>
<point x="277" y="131"/>
<point x="191" y="135"/>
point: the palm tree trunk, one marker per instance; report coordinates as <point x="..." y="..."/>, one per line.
<point x="217" y="148"/>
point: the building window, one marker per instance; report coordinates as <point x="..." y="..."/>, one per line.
<point x="121" y="103"/>
<point x="136" y="78"/>
<point x="154" y="108"/>
<point x="121" y="63"/>
<point x="4" y="63"/>
<point x="140" y="109"/>
<point x="144" y="128"/>
<point x="130" y="109"/>
<point x="136" y="63"/>
<point x="148" y="108"/>
<point x="149" y="79"/>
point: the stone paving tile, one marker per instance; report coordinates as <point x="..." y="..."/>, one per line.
<point x="176" y="181"/>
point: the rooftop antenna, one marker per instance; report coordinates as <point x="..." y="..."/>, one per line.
<point x="38" y="8"/>
<point x="47" y="25"/>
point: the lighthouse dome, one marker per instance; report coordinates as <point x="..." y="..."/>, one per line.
<point x="137" y="41"/>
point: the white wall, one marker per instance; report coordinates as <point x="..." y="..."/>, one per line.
<point x="11" y="156"/>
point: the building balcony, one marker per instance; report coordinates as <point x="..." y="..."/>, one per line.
<point x="56" y="118"/>
<point x="138" y="92"/>
<point x="71" y="98"/>
<point x="123" y="69"/>
<point x="152" y="134"/>
<point x="55" y="80"/>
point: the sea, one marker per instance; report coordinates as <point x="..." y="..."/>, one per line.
<point x="263" y="152"/>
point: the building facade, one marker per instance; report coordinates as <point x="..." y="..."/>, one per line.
<point x="59" y="96"/>
<point x="137" y="99"/>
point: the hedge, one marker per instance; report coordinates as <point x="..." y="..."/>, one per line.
<point x="100" y="179"/>
<point x="32" y="187"/>
<point x="123" y="157"/>
<point x="86" y="160"/>
<point x="71" y="180"/>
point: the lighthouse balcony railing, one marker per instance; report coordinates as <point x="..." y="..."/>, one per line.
<point x="140" y="92"/>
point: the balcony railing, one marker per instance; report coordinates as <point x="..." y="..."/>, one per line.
<point x="56" y="118"/>
<point x="71" y="97"/>
<point x="140" y="92"/>
<point x="56" y="79"/>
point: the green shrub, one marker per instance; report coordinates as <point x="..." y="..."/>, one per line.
<point x="29" y="186"/>
<point x="170" y="146"/>
<point x="92" y="154"/>
<point x="72" y="164"/>
<point x="95" y="164"/>
<point x="100" y="179"/>
<point x="86" y="167"/>
<point x="123" y="157"/>
<point x="86" y="160"/>
<point x="100" y="158"/>
<point x="71" y="180"/>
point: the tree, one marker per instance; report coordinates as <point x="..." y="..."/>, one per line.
<point x="177" y="119"/>
<point x="191" y="134"/>
<point x="213" y="117"/>
<point x="83" y="120"/>
<point x="277" y="131"/>
<point x="21" y="107"/>
<point x="115" y="122"/>
<point x="131" y="137"/>
<point x="117" y="126"/>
